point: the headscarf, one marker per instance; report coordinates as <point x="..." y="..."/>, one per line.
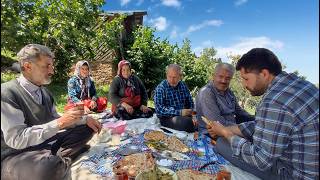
<point x="129" y="85"/>
<point x="84" y="81"/>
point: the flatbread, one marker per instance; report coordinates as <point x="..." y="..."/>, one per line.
<point x="155" y="136"/>
<point x="174" y="144"/>
<point x="134" y="164"/>
<point x="188" y="174"/>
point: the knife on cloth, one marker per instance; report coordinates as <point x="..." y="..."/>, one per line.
<point x="166" y="130"/>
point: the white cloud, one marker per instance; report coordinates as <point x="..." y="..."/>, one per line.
<point x="159" y="23"/>
<point x="124" y="2"/>
<point x="174" y="33"/>
<point x="247" y="43"/>
<point x="240" y="2"/>
<point x="209" y="10"/>
<point x="197" y="27"/>
<point x="171" y="3"/>
<point x="139" y="2"/>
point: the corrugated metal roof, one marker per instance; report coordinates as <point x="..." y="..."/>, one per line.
<point x="112" y="13"/>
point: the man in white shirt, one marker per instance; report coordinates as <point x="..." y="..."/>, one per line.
<point x="36" y="142"/>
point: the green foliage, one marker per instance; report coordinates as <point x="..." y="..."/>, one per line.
<point x="7" y="76"/>
<point x="301" y="76"/>
<point x="60" y="94"/>
<point x="197" y="71"/>
<point x="64" y="26"/>
<point x="204" y="66"/>
<point x="243" y="95"/>
<point x="149" y="57"/>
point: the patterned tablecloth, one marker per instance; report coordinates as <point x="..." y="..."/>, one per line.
<point x="101" y="163"/>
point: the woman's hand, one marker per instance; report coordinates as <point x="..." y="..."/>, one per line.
<point x="93" y="104"/>
<point x="128" y="108"/>
<point x="144" y="109"/>
<point x="87" y="110"/>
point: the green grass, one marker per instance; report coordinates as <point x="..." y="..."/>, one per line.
<point x="7" y="76"/>
<point x="60" y="94"/>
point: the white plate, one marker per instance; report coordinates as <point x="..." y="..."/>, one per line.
<point x="181" y="136"/>
<point x="164" y="162"/>
<point x="175" y="155"/>
<point x="164" y="170"/>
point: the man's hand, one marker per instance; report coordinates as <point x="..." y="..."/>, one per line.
<point x="128" y="108"/>
<point x="71" y="116"/>
<point x="217" y="129"/>
<point x="144" y="109"/>
<point x="186" y="112"/>
<point x="94" y="124"/>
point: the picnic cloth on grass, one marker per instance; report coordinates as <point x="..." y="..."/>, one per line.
<point x="102" y="163"/>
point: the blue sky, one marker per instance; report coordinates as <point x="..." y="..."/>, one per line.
<point x="290" y="28"/>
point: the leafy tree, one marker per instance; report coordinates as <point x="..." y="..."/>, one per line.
<point x="296" y="72"/>
<point x="149" y="57"/>
<point x="64" y="26"/>
<point x="203" y="68"/>
<point x="243" y="96"/>
<point x="186" y="59"/>
<point x="197" y="71"/>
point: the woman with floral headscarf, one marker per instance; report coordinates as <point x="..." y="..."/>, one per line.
<point x="81" y="88"/>
<point x="128" y="95"/>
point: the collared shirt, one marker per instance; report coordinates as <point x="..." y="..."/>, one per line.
<point x="218" y="106"/>
<point x="169" y="101"/>
<point x="33" y="90"/>
<point x="286" y="129"/>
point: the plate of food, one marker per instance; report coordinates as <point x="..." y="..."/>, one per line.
<point x="175" y="144"/>
<point x="157" y="173"/>
<point x="134" y="163"/>
<point x="156" y="145"/>
<point x="164" y="162"/>
<point x="155" y="136"/>
<point x="193" y="174"/>
<point x="175" y="155"/>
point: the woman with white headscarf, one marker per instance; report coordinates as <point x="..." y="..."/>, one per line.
<point x="81" y="88"/>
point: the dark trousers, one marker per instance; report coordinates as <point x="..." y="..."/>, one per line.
<point x="223" y="147"/>
<point x="45" y="161"/>
<point x="180" y="123"/>
<point x="122" y="114"/>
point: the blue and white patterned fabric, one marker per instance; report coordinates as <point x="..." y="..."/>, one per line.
<point x="97" y="163"/>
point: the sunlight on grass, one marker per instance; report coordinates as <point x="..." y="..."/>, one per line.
<point x="7" y="76"/>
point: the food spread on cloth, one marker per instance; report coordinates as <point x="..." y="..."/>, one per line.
<point x="157" y="173"/>
<point x="159" y="141"/>
<point x="188" y="174"/>
<point x="135" y="163"/>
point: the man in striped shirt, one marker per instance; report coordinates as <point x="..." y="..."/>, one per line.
<point x="173" y="101"/>
<point x="283" y="141"/>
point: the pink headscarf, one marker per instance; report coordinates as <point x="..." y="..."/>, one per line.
<point x="120" y="65"/>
